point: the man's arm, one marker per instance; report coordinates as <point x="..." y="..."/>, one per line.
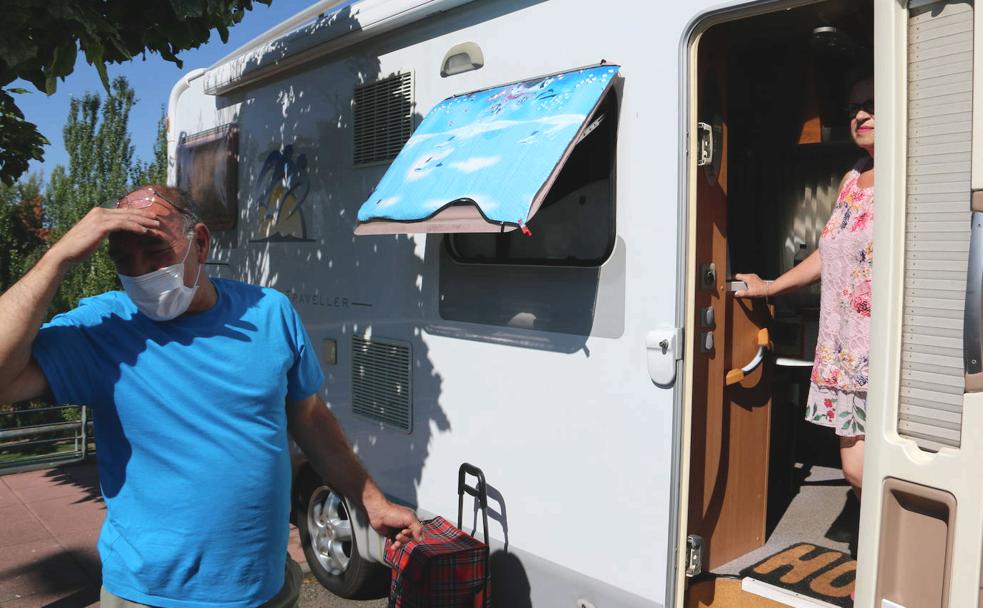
<point x="317" y="432"/>
<point x="24" y="305"/>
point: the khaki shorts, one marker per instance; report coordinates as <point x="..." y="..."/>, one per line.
<point x="286" y="598"/>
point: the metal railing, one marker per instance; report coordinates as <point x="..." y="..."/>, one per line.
<point x="23" y="447"/>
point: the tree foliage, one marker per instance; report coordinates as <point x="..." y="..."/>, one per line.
<point x="40" y="41"/>
<point x="23" y="229"/>
<point x="20" y="141"/>
<point x="101" y="168"/>
<point x="155" y="171"/>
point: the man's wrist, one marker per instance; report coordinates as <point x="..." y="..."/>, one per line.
<point x="372" y="497"/>
<point x="52" y="261"/>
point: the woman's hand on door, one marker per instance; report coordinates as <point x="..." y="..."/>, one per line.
<point x="805" y="273"/>
<point x="756" y="286"/>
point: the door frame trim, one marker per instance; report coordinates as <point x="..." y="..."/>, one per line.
<point x="685" y="271"/>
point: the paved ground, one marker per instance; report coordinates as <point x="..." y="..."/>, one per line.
<point x="49" y="525"/>
<point x="313" y="595"/>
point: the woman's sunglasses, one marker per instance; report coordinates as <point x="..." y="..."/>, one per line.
<point x="853" y="108"/>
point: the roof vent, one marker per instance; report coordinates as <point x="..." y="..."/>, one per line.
<point x="383" y="118"/>
<point x="381" y="381"/>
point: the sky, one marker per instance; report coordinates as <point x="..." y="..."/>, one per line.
<point x="152" y="80"/>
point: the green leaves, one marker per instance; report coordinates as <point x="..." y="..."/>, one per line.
<point x="154" y="172"/>
<point x="22" y="229"/>
<point x="40" y="41"/>
<point x="25" y="141"/>
<point x="62" y="64"/>
<point x="188" y="8"/>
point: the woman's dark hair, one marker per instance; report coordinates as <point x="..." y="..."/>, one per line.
<point x="862" y="70"/>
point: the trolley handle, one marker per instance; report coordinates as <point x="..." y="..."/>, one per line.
<point x="479" y="491"/>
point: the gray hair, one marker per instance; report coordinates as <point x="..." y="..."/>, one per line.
<point x="191" y="212"/>
<point x="181" y="200"/>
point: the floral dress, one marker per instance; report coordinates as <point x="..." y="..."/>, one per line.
<point x="838" y="392"/>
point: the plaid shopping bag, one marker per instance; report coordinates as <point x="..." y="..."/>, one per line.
<point x="447" y="570"/>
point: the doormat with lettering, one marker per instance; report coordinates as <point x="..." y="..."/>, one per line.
<point x="825" y="574"/>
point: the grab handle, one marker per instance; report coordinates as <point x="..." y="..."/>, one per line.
<point x="736" y="375"/>
<point x="973" y="313"/>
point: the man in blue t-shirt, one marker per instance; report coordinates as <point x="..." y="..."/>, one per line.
<point x="195" y="383"/>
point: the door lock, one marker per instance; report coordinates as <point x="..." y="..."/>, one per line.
<point x="694" y="555"/>
<point x="706" y="144"/>
<point x="708" y="276"/>
<point x="664" y="349"/>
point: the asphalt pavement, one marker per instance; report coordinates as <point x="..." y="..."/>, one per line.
<point x="313" y="595"/>
<point x="49" y="524"/>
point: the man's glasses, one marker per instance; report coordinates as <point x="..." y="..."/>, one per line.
<point x="852" y="108"/>
<point x="144" y="199"/>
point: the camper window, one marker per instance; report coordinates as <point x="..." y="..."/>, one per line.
<point x="575" y="226"/>
<point x="207" y="169"/>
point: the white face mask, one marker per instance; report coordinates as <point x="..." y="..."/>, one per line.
<point x="162" y="295"/>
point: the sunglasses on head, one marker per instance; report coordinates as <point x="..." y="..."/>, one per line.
<point x="145" y="198"/>
<point x="853" y="108"/>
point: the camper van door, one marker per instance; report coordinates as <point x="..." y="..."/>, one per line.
<point x="921" y="519"/>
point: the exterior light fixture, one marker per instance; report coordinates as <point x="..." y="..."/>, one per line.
<point x="461" y="58"/>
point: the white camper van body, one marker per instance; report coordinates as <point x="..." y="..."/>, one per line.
<point x="553" y="380"/>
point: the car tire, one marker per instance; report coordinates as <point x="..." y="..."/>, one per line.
<point x="328" y="539"/>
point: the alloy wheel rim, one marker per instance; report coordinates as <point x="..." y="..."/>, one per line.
<point x="330" y="530"/>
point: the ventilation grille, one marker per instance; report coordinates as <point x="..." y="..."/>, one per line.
<point x="383" y="119"/>
<point x="381" y="387"/>
<point x="937" y="231"/>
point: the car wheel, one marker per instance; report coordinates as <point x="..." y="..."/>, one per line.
<point x="328" y="539"/>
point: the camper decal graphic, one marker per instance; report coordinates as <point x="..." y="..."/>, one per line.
<point x="494" y="149"/>
<point x="284" y="185"/>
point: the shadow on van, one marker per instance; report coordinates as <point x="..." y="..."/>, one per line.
<point x="299" y="191"/>
<point x="300" y="186"/>
<point x="509" y="581"/>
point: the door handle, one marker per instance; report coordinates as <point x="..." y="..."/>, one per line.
<point x="736" y="375"/>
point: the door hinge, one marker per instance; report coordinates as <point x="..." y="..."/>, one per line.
<point x="694" y="555"/>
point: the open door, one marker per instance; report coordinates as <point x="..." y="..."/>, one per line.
<point x="766" y="493"/>
<point x="731" y="408"/>
<point x="921" y="522"/>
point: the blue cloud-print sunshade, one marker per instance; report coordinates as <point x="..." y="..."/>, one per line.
<point x="482" y="162"/>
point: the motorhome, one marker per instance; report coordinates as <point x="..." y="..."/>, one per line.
<point x="511" y="228"/>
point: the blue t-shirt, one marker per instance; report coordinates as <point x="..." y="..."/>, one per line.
<point x="191" y="428"/>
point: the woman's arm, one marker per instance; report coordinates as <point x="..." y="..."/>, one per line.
<point x="805" y="273"/>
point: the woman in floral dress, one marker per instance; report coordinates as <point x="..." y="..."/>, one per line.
<point x="838" y="391"/>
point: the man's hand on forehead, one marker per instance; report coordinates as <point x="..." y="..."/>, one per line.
<point x="84" y="238"/>
<point x="170" y="225"/>
<point x="155" y="238"/>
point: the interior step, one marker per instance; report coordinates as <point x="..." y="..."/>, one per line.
<point x="784" y="597"/>
<point x="722" y="592"/>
